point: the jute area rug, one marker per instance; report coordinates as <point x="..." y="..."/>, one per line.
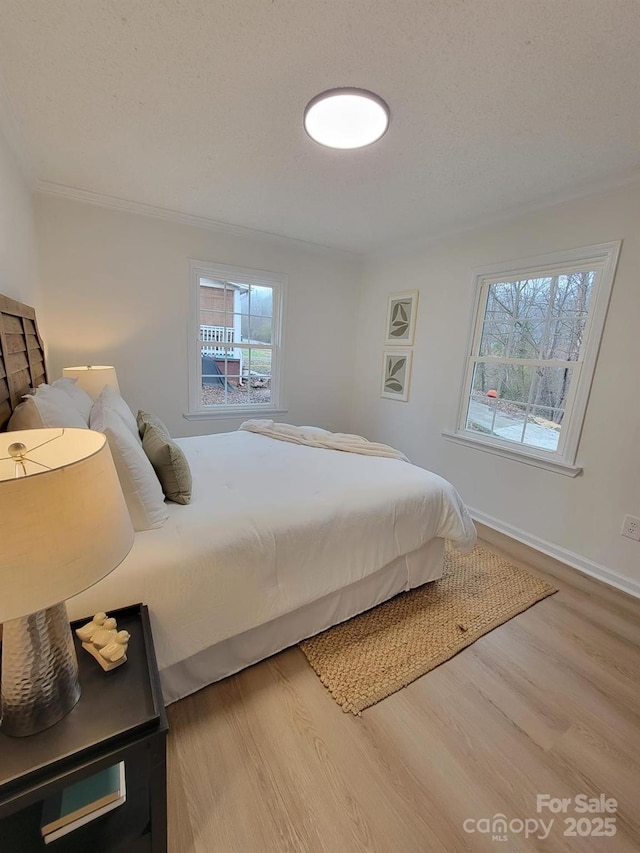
<point x="377" y="653"/>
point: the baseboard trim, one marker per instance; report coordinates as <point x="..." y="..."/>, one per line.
<point x="569" y="558"/>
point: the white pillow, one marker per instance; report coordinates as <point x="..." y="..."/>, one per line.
<point x="48" y="407"/>
<point x="80" y="399"/>
<point x="110" y="399"/>
<point x="25" y="416"/>
<point x="142" y="490"/>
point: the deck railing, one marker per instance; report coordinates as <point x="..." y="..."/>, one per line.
<point x="215" y="340"/>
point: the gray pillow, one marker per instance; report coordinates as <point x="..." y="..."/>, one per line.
<point x="146" y="418"/>
<point x="169" y="463"/>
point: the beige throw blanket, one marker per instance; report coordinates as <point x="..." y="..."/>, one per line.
<point x="316" y="437"/>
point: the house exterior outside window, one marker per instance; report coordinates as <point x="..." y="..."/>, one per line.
<point x="235" y="346"/>
<point x="532" y="354"/>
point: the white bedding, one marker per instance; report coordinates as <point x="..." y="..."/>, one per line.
<point x="272" y="526"/>
<point x="317" y="437"/>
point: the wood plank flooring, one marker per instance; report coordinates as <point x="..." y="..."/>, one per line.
<point x="547" y="703"/>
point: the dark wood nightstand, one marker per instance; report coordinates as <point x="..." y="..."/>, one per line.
<point x="120" y="717"/>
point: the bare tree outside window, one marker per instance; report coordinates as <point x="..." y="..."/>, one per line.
<point x="532" y="355"/>
<point x="532" y="333"/>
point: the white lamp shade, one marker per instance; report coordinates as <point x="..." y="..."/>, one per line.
<point x="92" y="378"/>
<point x="62" y="529"/>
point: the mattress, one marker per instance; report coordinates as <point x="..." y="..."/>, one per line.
<point x="272" y="527"/>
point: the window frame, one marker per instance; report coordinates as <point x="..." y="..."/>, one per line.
<point x="278" y="283"/>
<point x="602" y="258"/>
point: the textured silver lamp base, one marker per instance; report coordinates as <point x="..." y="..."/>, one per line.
<point x="39" y="671"/>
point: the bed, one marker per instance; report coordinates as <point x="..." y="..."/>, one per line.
<point x="279" y="542"/>
<point x="22" y="361"/>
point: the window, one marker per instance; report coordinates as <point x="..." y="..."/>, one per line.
<point x="533" y="351"/>
<point x="235" y="346"/>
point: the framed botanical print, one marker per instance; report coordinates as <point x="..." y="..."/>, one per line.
<point x="401" y="318"/>
<point x="396" y="374"/>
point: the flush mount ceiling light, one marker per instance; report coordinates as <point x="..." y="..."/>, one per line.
<point x="346" y="118"/>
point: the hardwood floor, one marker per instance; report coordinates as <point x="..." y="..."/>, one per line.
<point x="548" y="703"/>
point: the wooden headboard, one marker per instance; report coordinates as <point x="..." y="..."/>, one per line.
<point x="22" y="362"/>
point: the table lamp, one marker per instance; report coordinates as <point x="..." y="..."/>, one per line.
<point x="92" y="378"/>
<point x="64" y="525"/>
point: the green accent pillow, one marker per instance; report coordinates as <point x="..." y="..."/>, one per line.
<point x="145" y="419"/>
<point x="169" y="463"/>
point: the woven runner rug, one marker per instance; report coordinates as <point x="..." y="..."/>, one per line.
<point x="377" y="653"/>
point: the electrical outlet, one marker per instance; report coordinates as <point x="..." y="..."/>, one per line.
<point x="631" y="527"/>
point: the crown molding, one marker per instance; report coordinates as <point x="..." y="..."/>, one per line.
<point x="389" y="250"/>
<point x="142" y="209"/>
<point x="485" y="221"/>
<point x="12" y="132"/>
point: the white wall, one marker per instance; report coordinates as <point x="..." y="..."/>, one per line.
<point x="582" y="515"/>
<point x="18" y="256"/>
<point x="115" y="289"/>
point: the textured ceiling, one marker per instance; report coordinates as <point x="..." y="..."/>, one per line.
<point x="196" y="106"/>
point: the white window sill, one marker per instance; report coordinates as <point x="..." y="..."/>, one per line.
<point x="550" y="464"/>
<point x="229" y="412"/>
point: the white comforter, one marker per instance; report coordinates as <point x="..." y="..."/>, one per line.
<point x="272" y="526"/>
